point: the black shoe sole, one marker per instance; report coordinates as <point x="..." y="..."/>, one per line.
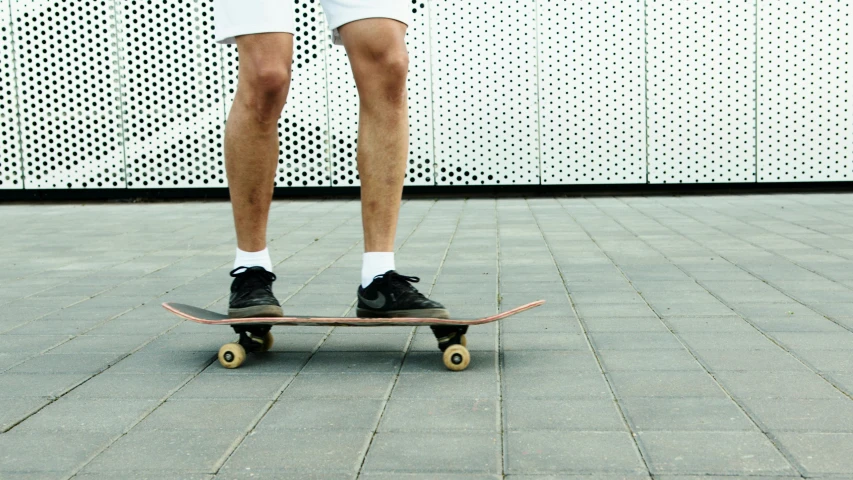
<point x="256" y="311"/>
<point x="422" y="313"/>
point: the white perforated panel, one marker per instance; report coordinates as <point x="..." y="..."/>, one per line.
<point x="701" y="91"/>
<point x="304" y="128"/>
<point x="484" y="92"/>
<point x="171" y="85"/>
<point x="68" y="93"/>
<point x="805" y="125"/>
<point x="343" y="106"/>
<point x="591" y="92"/>
<point x="10" y="146"/>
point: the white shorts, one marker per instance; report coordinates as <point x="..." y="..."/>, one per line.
<point x="243" y="17"/>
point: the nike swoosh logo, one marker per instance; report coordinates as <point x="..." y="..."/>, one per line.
<point x="377" y="303"/>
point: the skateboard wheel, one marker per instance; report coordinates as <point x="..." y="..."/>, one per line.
<point x="463" y="341"/>
<point x="268" y="341"/>
<point x="231" y="355"/>
<point x="456" y="358"/>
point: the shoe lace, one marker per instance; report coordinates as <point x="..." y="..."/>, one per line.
<point x="253" y="277"/>
<point x="400" y="284"/>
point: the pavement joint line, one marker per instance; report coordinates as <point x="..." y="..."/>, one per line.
<point x="777" y="445"/>
<point x="637" y="448"/>
<point x="498" y="343"/>
<point x="407" y="347"/>
<point x="767" y="335"/>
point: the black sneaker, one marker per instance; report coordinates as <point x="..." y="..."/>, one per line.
<point x="392" y="295"/>
<point x="251" y="294"/>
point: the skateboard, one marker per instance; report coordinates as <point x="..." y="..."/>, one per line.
<point x="255" y="335"/>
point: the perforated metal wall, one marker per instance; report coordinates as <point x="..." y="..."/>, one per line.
<point x="592" y="92"/>
<point x="484" y="92"/>
<point x="805" y="123"/>
<point x="701" y="91"/>
<point x="344" y="107"/>
<point x="304" y="126"/>
<point x="68" y="93"/>
<point x="134" y="94"/>
<point x="171" y="86"/>
<point x="10" y="146"/>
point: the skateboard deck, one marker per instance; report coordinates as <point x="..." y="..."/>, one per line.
<point x="256" y="337"/>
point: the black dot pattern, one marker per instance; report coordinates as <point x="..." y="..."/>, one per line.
<point x="591" y="88"/>
<point x="805" y="123"/>
<point x="344" y="106"/>
<point x="68" y="94"/>
<point x="171" y="85"/>
<point x="303" y="127"/>
<point x="10" y="146"/>
<point x="701" y="91"/>
<point x="485" y="92"/>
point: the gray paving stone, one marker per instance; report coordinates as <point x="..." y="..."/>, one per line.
<point x="564" y="414"/>
<point x="232" y="387"/>
<point x="664" y="383"/>
<point x="130" y="386"/>
<point x="157" y="475"/>
<point x="349" y="362"/>
<point x="538" y="452"/>
<point x="21" y="344"/>
<point x="543" y="325"/>
<point x="323" y="414"/>
<point x="366" y="343"/>
<point x="624" y="325"/>
<point x="635" y="341"/>
<point x="553" y="361"/>
<point x="734" y="453"/>
<point x="17" y="409"/>
<point x="754" y="384"/>
<point x="819" y="415"/>
<point x="440" y="385"/>
<point x="820" y="453"/>
<point x="447" y="414"/>
<point x="816" y="340"/>
<point x="68" y="451"/>
<point x="708" y="324"/>
<point x="88" y="344"/>
<point x="438" y="452"/>
<point x="568" y="384"/>
<point x="538" y="341"/>
<point x="190" y="451"/>
<point x="161" y="361"/>
<point x="427" y="476"/>
<point x="355" y="385"/>
<point x="616" y="310"/>
<point x="684" y="414"/>
<point x="67" y="363"/>
<point x="296" y="452"/>
<point x="657" y="360"/>
<point x="203" y="414"/>
<point x="750" y="360"/>
<point x="111" y="415"/>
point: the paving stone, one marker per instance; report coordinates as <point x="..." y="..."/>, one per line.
<point x="635" y="341"/>
<point x="665" y="383"/>
<point x="750" y="360"/>
<point x="734" y="453"/>
<point x="204" y="414"/>
<point x="538" y="452"/>
<point x="131" y="386"/>
<point x="684" y="414"/>
<point x="294" y="452"/>
<point x="156" y="475"/>
<point x="782" y="384"/>
<point x="553" y="361"/>
<point x="339" y="386"/>
<point x="563" y="414"/>
<point x="232" y="387"/>
<point x="21" y="344"/>
<point x="439" y="452"/>
<point x="656" y="360"/>
<point x="538" y="341"/>
<point x="542" y="325"/>
<point x="265" y="363"/>
<point x="323" y="413"/>
<point x="161" y="361"/>
<point x="190" y="451"/>
<point x="111" y="415"/>
<point x="584" y="384"/>
<point x="624" y="325"/>
<point x="820" y="453"/>
<point x="428" y="476"/>
<point x="67" y="451"/>
<point x="348" y="362"/>
<point x="684" y="325"/>
<point x="365" y="343"/>
<point x="447" y="414"/>
<point x="88" y="344"/>
<point x="17" y="409"/>
<point x="424" y="341"/>
<point x="614" y="311"/>
<point x="816" y="340"/>
<point x="818" y="415"/>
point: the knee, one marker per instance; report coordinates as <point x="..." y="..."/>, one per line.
<point x="265" y="89"/>
<point x="386" y="73"/>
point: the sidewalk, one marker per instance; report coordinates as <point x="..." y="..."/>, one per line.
<point x="683" y="337"/>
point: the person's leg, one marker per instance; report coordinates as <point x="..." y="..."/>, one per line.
<point x="251" y="158"/>
<point x="377" y="51"/>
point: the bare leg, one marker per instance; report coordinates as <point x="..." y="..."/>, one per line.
<point x="377" y="51"/>
<point x="251" y="132"/>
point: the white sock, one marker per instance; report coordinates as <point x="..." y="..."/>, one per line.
<point x="375" y="263"/>
<point x="253" y="259"/>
